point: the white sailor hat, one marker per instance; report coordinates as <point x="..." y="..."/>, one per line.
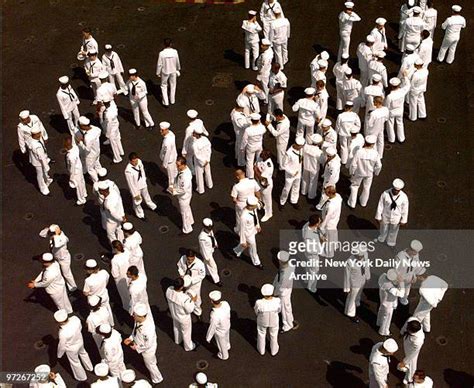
<point x="456" y="8"/>
<point x="348" y="71"/>
<point x="24" y="114"/>
<point x="381" y="21"/>
<point x="316" y="138"/>
<point x="108" y="46"/>
<point x="416" y="9"/>
<point x="411" y="3"/>
<point x="371" y="139"/>
<point x="60" y="315"/>
<point x="140" y="309"/>
<point x="102" y="172"/>
<point x="283" y="256"/>
<point x="267" y="290"/>
<point x="128" y="376"/>
<point x="395" y="81"/>
<point x="198" y="130"/>
<point x="376" y="77"/>
<point x="410" y="47"/>
<point x="102" y="185"/>
<point x="349" y="103"/>
<point x="207" y="222"/>
<point x="310" y="91"/>
<point x="250" y="88"/>
<point x="331" y="151"/>
<point x="91" y="263"/>
<point x="43" y="368"/>
<point x="92" y="52"/>
<point x="349" y="4"/>
<point x="132" y="71"/>
<point x="64" y="80"/>
<point x="192" y="114"/>
<point x="266" y="42"/>
<point x="201" y="378"/>
<point x="105" y="328"/>
<point x="354" y="129"/>
<point x="390" y="345"/>
<point x="381" y="54"/>
<point x="240" y="104"/>
<point x="392" y="274"/>
<point x="165" y="125"/>
<point x="322" y="63"/>
<point x="127" y="226"/>
<point x="398" y="184"/>
<point x="252" y="12"/>
<point x="255" y="116"/>
<point x="186" y="281"/>
<point x="83" y="120"/>
<point x="93" y="300"/>
<point x="35" y="130"/>
<point x="416" y="245"/>
<point x="252" y="201"/>
<point x="106" y="99"/>
<point x="47" y="257"/>
<point x="103" y="74"/>
<point x="326" y="123"/>
<point x="300" y="141"/>
<point x="370" y="39"/>
<point x="215" y="296"/>
<point x="345" y="56"/>
<point x="324" y="55"/>
<point x="101" y="369"/>
<point x="419" y="62"/>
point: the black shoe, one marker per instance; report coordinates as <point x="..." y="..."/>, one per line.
<point x="219" y="284"/>
<point x="260" y="266"/>
<point x="295" y="206"/>
<point x="137" y="127"/>
<point x="196" y="347"/>
<point x="281" y="207"/>
<point x="354" y="319"/>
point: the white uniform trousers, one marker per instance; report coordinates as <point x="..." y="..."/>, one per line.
<point x="203" y="173"/>
<point x="61" y="300"/>
<point x="388" y="232"/>
<point x="266" y="28"/>
<point x="171" y="171"/>
<point x="449" y="44"/>
<point x="344" y="42"/>
<point x="43" y="179"/>
<point x="75" y="358"/>
<point x="239" y="153"/>
<point x="250" y="161"/>
<point x="261" y="336"/>
<point x="286" y="309"/>
<point x="117" y="148"/>
<point x="395" y="120"/>
<point x="423" y="314"/>
<point x="251" y="49"/>
<point x="265" y="89"/>
<point x="171" y="80"/>
<point x="291" y="183"/>
<point x="149" y="358"/>
<point x="252" y="247"/>
<point x="304" y="130"/>
<point x="356" y="181"/>
<point x="267" y="199"/>
<point x="95" y="83"/>
<point x="384" y="319"/>
<point x="186" y="215"/>
<point x="81" y="191"/>
<point x="118" y="77"/>
<point x="137" y="204"/>
<point x="275" y="101"/>
<point x="73" y="120"/>
<point x="212" y="270"/>
<point x="353" y="301"/>
<point x="116" y="368"/>
<point x="309" y="183"/>
<point x="141" y="105"/>
<point x="97" y="339"/>
<point x="281" y="53"/>
<point x="364" y="77"/>
<point x="380" y="144"/>
<point x="417" y="106"/>
<point x="92" y="166"/>
<point x="114" y="231"/>
<point x="313" y="270"/>
<point x="65" y="265"/>
<point x="239" y="207"/>
<point x="281" y="146"/>
<point x="339" y="97"/>
<point x="122" y="288"/>
<point x="344" y="148"/>
<point x="182" y="333"/>
<point x="223" y="344"/>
